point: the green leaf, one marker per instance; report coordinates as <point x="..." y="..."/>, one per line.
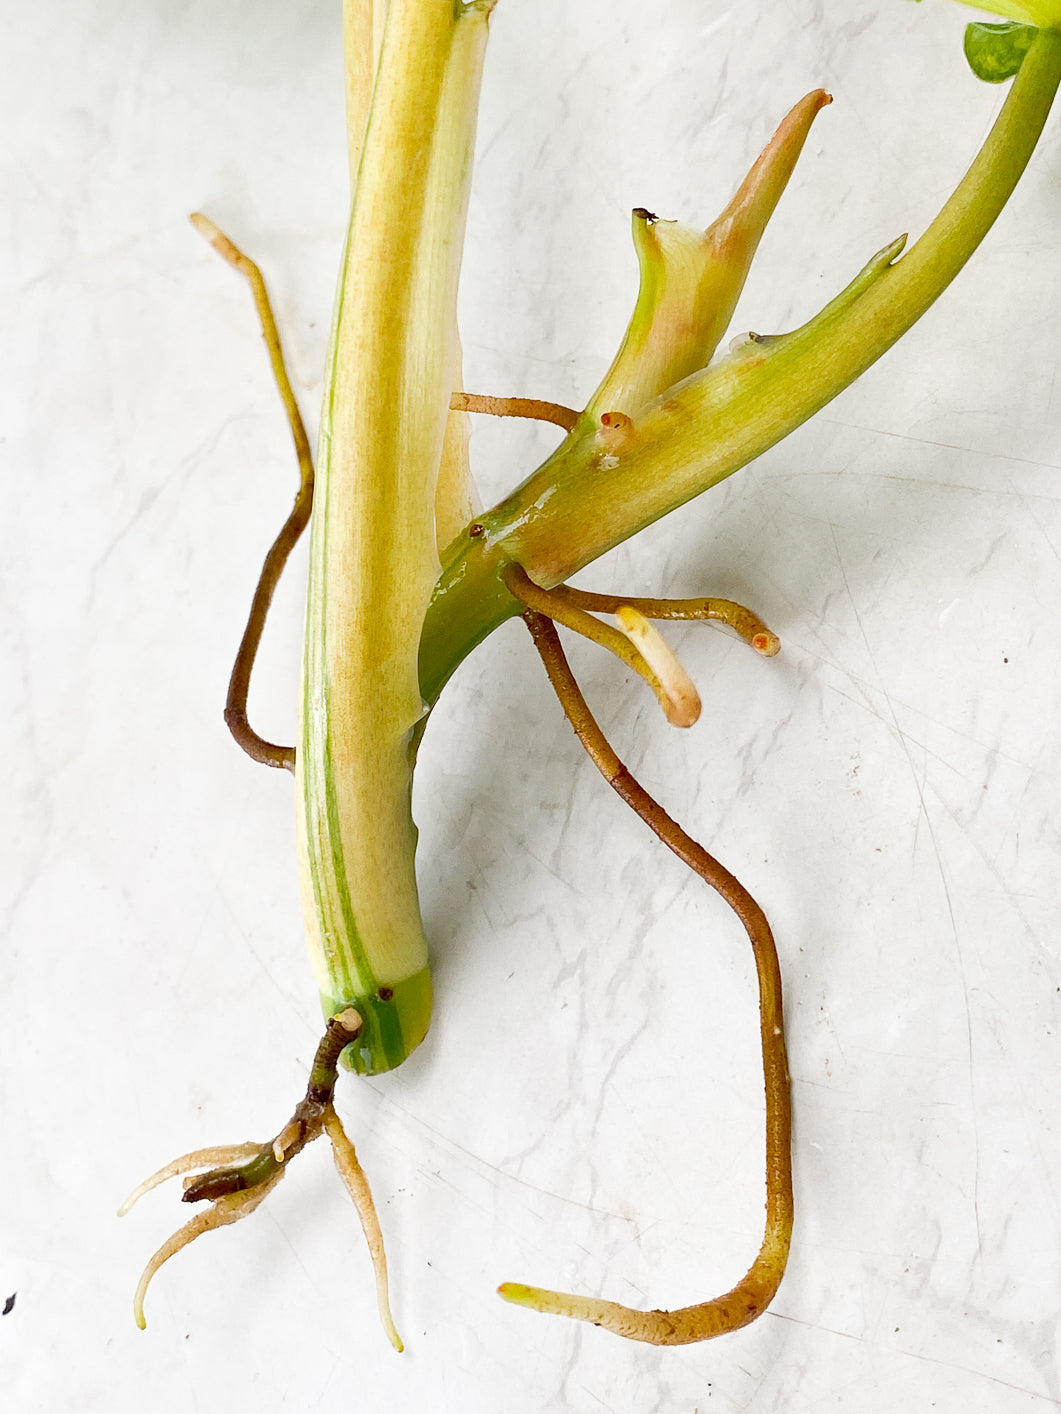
<point x="996" y="52"/>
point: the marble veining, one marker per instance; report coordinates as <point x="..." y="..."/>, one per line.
<point x="587" y="1107"/>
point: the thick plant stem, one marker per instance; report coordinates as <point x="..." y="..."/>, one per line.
<point x="580" y="503"/>
<point x="373" y="559"/>
<point x="750" y="1297"/>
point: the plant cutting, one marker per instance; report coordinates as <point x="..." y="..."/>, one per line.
<point x="407" y="577"/>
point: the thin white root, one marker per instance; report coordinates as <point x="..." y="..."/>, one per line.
<point x="228" y="1209"/>
<point x="353" y="1175"/>
<point x="215" y="1157"/>
<point x="681" y="701"/>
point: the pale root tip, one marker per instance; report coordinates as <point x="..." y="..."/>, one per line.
<point x="766" y="643"/>
<point x="549" y="1303"/>
<point x="216" y="236"/>
<point x="204" y="225"/>
<point x="680" y="699"/>
<point x="135" y="1196"/>
<point x="138" y="1301"/>
<point x="683" y="711"/>
<point x="518" y="1294"/>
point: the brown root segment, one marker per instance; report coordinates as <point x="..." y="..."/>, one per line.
<point x="267" y="752"/>
<point x="748" y="625"/>
<point x="750" y="1297"/>
<point x="535" y="408"/>
<point x="672" y="686"/>
<point x="249" y="1172"/>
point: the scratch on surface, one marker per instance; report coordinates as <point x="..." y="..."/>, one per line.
<point x="946" y="446"/>
<point x="915" y="1355"/>
<point x="918" y="783"/>
<point x="445" y="1141"/>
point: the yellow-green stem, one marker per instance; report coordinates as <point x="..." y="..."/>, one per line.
<point x="579" y="504"/>
<point x="373" y="559"/>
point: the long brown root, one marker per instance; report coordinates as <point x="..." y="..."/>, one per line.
<point x="267" y="752"/>
<point x="750" y="1297"/>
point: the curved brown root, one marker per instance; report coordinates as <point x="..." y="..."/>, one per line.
<point x="722" y="1314"/>
<point x="743" y="621"/>
<point x="257" y="748"/>
<point x="750" y="1297"/>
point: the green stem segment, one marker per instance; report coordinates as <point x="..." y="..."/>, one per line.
<point x="580" y="502"/>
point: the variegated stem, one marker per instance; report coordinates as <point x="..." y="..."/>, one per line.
<point x="373" y="560"/>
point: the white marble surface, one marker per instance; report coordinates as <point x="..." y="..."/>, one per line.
<point x="587" y="1110"/>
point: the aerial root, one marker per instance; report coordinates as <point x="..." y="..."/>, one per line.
<point x="225" y="1210"/>
<point x="636" y="642"/>
<point x="743" y="621"/>
<point x="751" y="1296"/>
<point x="681" y="701"/>
<point x="197" y="1159"/>
<point x="238" y="1177"/>
<point x="536" y="409"/>
<point x="267" y="752"/>
<point x="353" y="1176"/>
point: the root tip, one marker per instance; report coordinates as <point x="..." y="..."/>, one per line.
<point x="768" y="644"/>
